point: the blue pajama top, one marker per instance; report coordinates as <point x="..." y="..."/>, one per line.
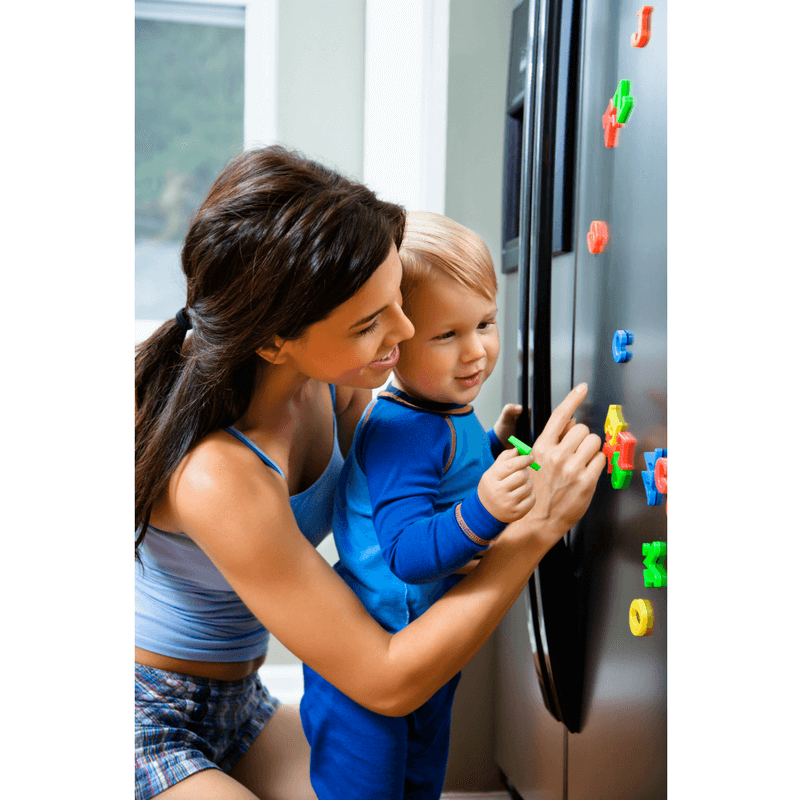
<point x="406" y="510"/>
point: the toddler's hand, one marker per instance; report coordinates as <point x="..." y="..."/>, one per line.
<point x="506" y="422"/>
<point x="506" y="488"/>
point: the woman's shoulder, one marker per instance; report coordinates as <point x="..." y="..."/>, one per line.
<point x="232" y="506"/>
<point x="221" y="457"/>
<point x="220" y="473"/>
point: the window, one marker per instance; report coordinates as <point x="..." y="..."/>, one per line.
<point x="190" y="77"/>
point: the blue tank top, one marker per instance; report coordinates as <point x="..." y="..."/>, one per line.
<point x="184" y="606"/>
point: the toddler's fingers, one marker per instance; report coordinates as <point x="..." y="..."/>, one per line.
<point x="509" y="461"/>
<point x="520" y="493"/>
<point x="527" y="503"/>
<point x="520" y="503"/>
<point x="511" y="410"/>
<point x="514" y="481"/>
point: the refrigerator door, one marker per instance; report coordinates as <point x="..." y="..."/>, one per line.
<point x="620" y="751"/>
<point x="530" y="743"/>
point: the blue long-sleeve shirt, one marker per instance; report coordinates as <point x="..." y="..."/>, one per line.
<point x="406" y="511"/>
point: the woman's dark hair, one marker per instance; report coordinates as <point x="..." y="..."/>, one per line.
<point x="279" y="242"/>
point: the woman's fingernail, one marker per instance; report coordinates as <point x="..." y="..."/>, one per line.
<point x="580" y="387"/>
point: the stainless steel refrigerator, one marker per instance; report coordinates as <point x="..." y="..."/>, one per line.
<point x="581" y="679"/>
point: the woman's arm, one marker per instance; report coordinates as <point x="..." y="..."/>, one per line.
<point x="570" y="467"/>
<point x="241" y="517"/>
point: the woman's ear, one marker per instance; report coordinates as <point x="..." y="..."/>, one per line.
<point x="273" y="353"/>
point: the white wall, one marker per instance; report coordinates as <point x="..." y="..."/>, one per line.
<point x="321" y="81"/>
<point x="405" y="101"/>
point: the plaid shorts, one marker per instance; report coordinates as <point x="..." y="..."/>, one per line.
<point x="186" y="724"/>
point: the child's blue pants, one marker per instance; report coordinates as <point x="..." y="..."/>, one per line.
<point x="357" y="754"/>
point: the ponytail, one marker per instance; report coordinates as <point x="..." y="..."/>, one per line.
<point x="178" y="403"/>
<point x="158" y="365"/>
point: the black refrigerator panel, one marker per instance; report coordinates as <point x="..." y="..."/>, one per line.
<point x="520" y="93"/>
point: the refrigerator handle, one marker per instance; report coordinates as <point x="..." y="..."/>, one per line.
<point x="536" y="256"/>
<point x="542" y="182"/>
<point x="537" y="175"/>
<point x="524" y="343"/>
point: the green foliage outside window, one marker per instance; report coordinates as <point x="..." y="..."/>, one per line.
<point x="189" y="118"/>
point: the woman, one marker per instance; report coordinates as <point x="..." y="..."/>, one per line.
<point x="294" y="307"/>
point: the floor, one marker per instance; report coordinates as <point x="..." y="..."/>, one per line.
<point x="475" y="796"/>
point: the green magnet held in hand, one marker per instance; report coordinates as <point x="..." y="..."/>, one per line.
<point x="523" y="449"/>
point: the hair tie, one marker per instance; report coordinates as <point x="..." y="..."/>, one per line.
<point x="183" y="321"/>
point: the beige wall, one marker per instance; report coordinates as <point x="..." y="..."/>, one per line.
<point x="321" y="81"/>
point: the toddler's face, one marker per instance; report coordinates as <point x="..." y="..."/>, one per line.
<point x="455" y="345"/>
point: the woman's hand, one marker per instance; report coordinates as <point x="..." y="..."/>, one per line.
<point x="571" y="463"/>
<point x="506" y="423"/>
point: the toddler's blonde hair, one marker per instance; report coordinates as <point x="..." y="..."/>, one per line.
<point x="433" y="243"/>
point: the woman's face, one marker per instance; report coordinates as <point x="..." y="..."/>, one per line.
<point x="356" y="345"/>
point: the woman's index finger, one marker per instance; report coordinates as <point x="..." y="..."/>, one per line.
<point x="563" y="413"/>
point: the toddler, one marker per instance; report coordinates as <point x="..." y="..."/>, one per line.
<point x="420" y="497"/>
